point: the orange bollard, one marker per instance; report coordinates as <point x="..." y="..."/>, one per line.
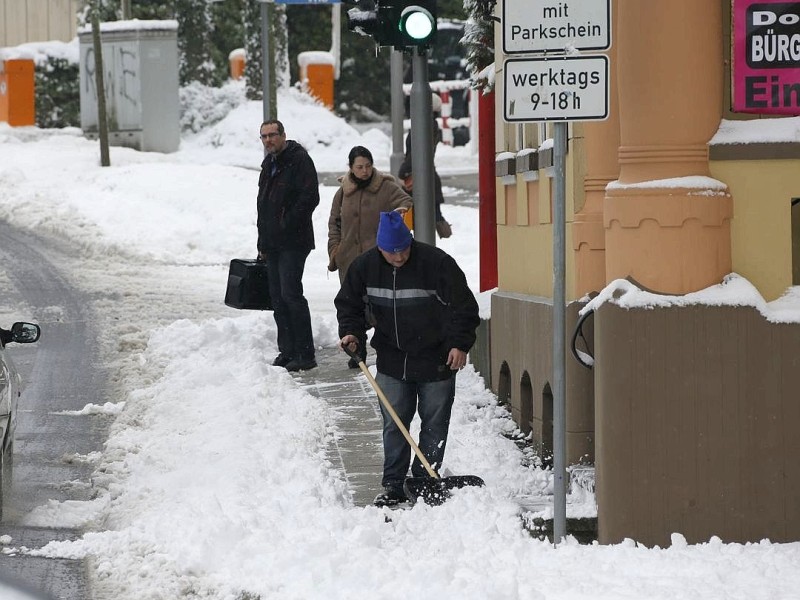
<point x="237" y="62"/>
<point x="319" y="79"/>
<point x="17" y="97"/>
<point x="317" y="74"/>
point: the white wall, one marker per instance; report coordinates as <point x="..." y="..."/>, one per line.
<point x="24" y="21"/>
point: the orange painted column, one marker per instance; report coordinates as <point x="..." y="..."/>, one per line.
<point x="601" y="142"/>
<point x="667" y="222"/>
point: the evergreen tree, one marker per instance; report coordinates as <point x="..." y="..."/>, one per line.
<point x="252" y="46"/>
<point x="151" y="9"/>
<point x="362" y="92"/>
<point x="479" y="41"/>
<point x="111" y="10"/>
<point x="451" y="9"/>
<point x="227" y="33"/>
<point x="253" y="50"/>
<point x="309" y="28"/>
<point x="194" y="42"/>
<point x="280" y="41"/>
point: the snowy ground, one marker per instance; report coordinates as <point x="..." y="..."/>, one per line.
<point x="214" y="481"/>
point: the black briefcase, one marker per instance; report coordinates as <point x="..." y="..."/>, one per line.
<point x="248" y="285"/>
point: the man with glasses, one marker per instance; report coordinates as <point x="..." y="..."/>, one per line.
<point x="288" y="193"/>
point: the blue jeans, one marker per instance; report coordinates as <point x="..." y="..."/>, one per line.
<point x="290" y="307"/>
<point x="435" y="404"/>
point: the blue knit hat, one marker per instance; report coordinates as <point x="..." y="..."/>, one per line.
<point x="393" y="235"/>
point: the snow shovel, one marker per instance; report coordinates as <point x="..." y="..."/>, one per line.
<point x="433" y="490"/>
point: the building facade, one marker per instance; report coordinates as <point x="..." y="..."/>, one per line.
<point x="688" y="413"/>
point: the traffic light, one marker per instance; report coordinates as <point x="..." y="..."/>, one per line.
<point x="416" y="22"/>
<point x="398" y="23"/>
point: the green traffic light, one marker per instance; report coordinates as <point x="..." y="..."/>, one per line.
<point x="417" y="22"/>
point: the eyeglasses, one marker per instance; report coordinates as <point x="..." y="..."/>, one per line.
<point x="270" y="135"/>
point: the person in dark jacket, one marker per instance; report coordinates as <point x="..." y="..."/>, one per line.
<point x="443" y="228"/>
<point x="288" y="193"/>
<point x="425" y="317"/>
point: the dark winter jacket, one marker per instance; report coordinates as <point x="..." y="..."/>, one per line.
<point x="405" y="168"/>
<point x="420" y="311"/>
<point x="287" y="199"/>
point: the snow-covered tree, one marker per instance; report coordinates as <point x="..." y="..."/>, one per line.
<point x="194" y="46"/>
<point x="479" y="41"/>
<point x="277" y="35"/>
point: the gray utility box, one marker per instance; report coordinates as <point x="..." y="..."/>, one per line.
<point x="140" y="60"/>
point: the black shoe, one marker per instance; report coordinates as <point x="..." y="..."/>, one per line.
<point x="281" y="360"/>
<point x="390" y="497"/>
<point x="301" y="364"/>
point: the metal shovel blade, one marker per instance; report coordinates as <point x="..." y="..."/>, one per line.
<point x="434" y="491"/>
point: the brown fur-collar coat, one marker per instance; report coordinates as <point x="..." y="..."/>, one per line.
<point x="353" y="223"/>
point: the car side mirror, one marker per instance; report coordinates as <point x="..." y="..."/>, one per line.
<point x="25" y="333"/>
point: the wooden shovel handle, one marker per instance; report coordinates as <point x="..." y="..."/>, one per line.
<point x="390" y="409"/>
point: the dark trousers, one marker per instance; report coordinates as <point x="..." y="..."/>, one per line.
<point x="290" y="307"/>
<point x="435" y="404"/>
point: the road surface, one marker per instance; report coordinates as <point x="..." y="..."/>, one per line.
<point x="60" y="373"/>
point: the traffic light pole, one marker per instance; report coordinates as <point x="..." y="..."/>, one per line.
<point x="398" y="110"/>
<point x="422" y="149"/>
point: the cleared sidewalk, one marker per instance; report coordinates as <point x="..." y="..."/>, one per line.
<point x="358" y="448"/>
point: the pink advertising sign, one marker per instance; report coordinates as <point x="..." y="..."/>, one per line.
<point x="765" y="74"/>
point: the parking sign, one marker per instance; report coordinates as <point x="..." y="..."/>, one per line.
<point x="556" y="88"/>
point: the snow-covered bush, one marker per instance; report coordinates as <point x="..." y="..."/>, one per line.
<point x="58" y="102"/>
<point x="202" y="106"/>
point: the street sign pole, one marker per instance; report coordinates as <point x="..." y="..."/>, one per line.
<point x="557" y="88"/>
<point x="559" y="333"/>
